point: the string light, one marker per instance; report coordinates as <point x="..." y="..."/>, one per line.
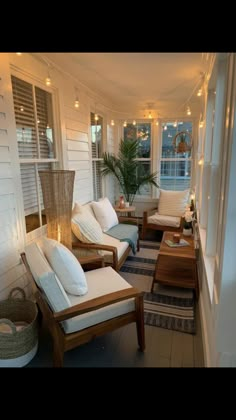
<point x="76" y="104"/>
<point x="134" y="122"/>
<point x="175" y="124"/>
<point x="157" y="122"/>
<point x="199" y="92"/>
<point x="150" y="115"/>
<point x="96" y="117"/>
<point x="112" y="122"/>
<point x="201" y="160"/>
<point x="48" y="78"/>
<point x="188" y="111"/>
<point x="18" y="53"/>
<point x="125" y="124"/>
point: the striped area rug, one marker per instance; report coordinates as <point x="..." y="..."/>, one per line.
<point x="167" y="307"/>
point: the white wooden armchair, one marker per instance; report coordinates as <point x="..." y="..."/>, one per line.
<point x="74" y="320"/>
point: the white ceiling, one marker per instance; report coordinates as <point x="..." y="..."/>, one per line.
<point x="138" y="82"/>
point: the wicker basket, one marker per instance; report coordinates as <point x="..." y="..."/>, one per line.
<point x="21" y="342"/>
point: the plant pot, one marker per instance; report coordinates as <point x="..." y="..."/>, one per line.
<point x="187" y="232"/>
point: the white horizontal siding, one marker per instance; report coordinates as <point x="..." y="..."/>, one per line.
<point x="7" y="202"/>
<point x="76" y="125"/>
<point x="76" y="135"/>
<point x="74" y="155"/>
<point x="6" y="186"/>
<point x="5" y="170"/>
<point x="4" y="154"/>
<point x="75" y="165"/>
<point x="77" y="146"/>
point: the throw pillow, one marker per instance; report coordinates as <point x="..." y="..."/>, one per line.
<point x="173" y="203"/>
<point x="86" y="228"/>
<point x="66" y="267"/>
<point x="105" y="214"/>
<point x="45" y="278"/>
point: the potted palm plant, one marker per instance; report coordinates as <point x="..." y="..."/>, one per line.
<point x="128" y="171"/>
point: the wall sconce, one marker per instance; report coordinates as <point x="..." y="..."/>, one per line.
<point x="57" y="188"/>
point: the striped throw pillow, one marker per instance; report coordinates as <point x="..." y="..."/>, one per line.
<point x="86" y="228"/>
<point x="173" y="203"/>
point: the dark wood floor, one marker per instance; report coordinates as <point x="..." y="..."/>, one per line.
<point x="164" y="348"/>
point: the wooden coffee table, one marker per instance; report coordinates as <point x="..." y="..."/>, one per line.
<point x="177" y="266"/>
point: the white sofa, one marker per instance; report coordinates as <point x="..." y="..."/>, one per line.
<point x="113" y="250"/>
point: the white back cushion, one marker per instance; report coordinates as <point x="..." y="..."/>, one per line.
<point x="105" y="214"/>
<point x="173" y="203"/>
<point x="66" y="267"/>
<point x="46" y="279"/>
<point x="86" y="228"/>
<point x="79" y="208"/>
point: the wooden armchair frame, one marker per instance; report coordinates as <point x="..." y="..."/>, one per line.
<point x="63" y="342"/>
<point x="149" y="226"/>
<point x="116" y="263"/>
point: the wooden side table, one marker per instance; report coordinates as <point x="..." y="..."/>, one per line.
<point x="125" y="211"/>
<point x="177" y="266"/>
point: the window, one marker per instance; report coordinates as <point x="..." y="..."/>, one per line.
<point x="141" y="132"/>
<point x="97" y="150"/>
<point x="36" y="146"/>
<point x="175" y="171"/>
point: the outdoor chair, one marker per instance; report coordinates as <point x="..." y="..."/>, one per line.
<point x="169" y="214"/>
<point x="107" y="301"/>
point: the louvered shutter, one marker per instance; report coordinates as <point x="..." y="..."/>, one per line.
<point x="35" y="135"/>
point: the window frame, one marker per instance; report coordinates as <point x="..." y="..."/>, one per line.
<point x="56" y="162"/>
<point x="141" y="197"/>
<point x="97" y="159"/>
<point x="190" y="159"/>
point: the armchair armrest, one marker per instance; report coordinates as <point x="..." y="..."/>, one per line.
<point x="86" y="261"/>
<point x="128" y="220"/>
<point x="148" y="213"/>
<point x="97" y="303"/>
<point x="99" y="247"/>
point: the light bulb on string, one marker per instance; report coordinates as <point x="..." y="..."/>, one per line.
<point x="76" y="103"/>
<point x="134" y="122"/>
<point x="125" y="124"/>
<point x="48" y="79"/>
<point x="175" y="124"/>
<point x="157" y="122"/>
<point x="112" y="122"/>
<point x="188" y="111"/>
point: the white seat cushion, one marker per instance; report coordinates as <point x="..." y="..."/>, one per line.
<point x="105" y="214"/>
<point x="66" y="267"/>
<point x="173" y="203"/>
<point x="160" y="219"/>
<point x="100" y="282"/>
<point x="109" y="240"/>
